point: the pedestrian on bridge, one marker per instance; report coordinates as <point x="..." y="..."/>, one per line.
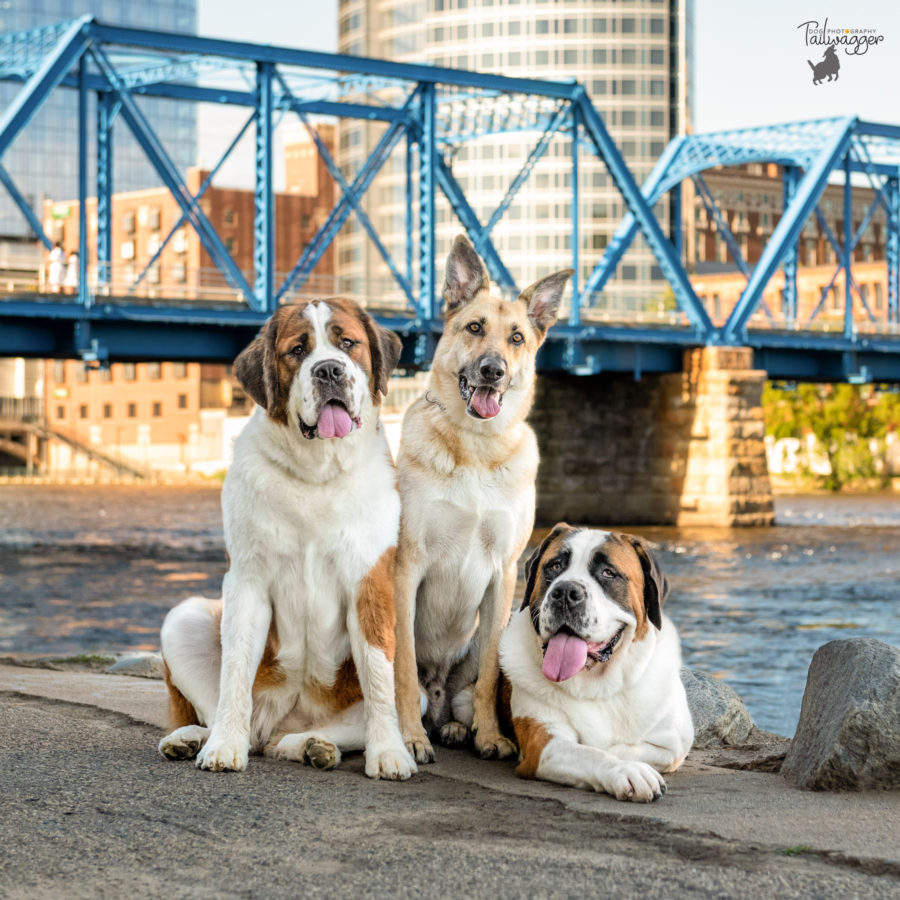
<point x="71" y="282"/>
<point x="56" y="264"/>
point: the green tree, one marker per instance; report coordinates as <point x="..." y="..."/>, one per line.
<point x="850" y="423"/>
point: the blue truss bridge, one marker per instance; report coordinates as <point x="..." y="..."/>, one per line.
<point x="426" y="112"/>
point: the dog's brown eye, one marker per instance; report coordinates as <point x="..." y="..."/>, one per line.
<point x="348" y="343"/>
<point x="609" y="573"/>
<point x="474" y="328"/>
<point x="554" y="566"/>
<point x="517" y="337"/>
<point x="298" y="351"/>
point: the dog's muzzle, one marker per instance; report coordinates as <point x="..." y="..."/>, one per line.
<point x="480" y="387"/>
<point x="334" y="419"/>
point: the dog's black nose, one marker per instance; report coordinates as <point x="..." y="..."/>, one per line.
<point x="571" y="593"/>
<point x="331" y="370"/>
<point x="492" y="368"/>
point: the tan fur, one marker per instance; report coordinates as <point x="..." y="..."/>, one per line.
<point x="181" y="710"/>
<point x="532" y="738"/>
<point x="451" y="460"/>
<point x="375" y="606"/>
<point x="344" y="692"/>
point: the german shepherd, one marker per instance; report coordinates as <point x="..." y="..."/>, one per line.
<point x="467" y="466"/>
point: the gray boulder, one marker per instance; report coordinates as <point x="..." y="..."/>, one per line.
<point x="720" y="717"/>
<point x="140" y="664"/>
<point x="848" y="736"/>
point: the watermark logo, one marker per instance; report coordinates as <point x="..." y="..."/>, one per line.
<point x="855" y="42"/>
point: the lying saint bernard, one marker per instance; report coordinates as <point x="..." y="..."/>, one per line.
<point x="593" y="663"/>
<point x="296" y="659"/>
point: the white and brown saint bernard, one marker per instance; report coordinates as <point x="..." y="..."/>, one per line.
<point x="593" y="665"/>
<point x="296" y="659"/>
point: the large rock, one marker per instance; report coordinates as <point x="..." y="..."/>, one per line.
<point x="848" y="736"/>
<point x="720" y="717"/>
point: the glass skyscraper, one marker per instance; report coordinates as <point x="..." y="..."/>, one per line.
<point x="43" y="159"/>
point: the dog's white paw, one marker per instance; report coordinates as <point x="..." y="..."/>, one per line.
<point x="635" y="781"/>
<point x="183" y="743"/>
<point x="221" y="755"/>
<point x="393" y="763"/>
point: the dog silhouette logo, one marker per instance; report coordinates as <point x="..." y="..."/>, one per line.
<point x="828" y="68"/>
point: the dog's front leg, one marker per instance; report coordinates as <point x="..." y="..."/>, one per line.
<point x="493" y="616"/>
<point x="246" y="616"/>
<point x="406" y="673"/>
<point x="552" y="753"/>
<point x="371" y="622"/>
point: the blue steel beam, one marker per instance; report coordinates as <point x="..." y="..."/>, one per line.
<point x="427" y="301"/>
<point x="409" y="72"/>
<point x="201" y="191"/>
<point x="264" y="195"/>
<point x="43" y="81"/>
<point x="893" y="250"/>
<point x="787" y="230"/>
<point x="625" y="233"/>
<point x="848" y="247"/>
<point x="364" y="220"/>
<point x="84" y="291"/>
<point x="575" y="313"/>
<point x="790" y="179"/>
<point x="671" y="266"/>
<point x="33" y="221"/>
<point x="106" y="113"/>
<point x="341" y="210"/>
<point x="165" y="168"/>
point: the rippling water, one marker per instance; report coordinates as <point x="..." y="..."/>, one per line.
<point x="87" y="569"/>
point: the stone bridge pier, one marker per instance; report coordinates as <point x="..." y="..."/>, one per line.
<point x="676" y="449"/>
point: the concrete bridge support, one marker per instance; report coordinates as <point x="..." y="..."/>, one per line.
<point x="683" y="449"/>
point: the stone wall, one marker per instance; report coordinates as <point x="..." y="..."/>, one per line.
<point x="679" y="449"/>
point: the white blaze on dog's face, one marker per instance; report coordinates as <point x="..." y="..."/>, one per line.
<point x="319" y="366"/>
<point x="590" y="594"/>
<point x="489" y="344"/>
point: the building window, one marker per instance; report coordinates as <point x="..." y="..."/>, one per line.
<point x="59" y="371"/>
<point x="107" y="410"/>
<point x="60" y="412"/>
<point x="230" y="244"/>
<point x="154" y="371"/>
<point x="570" y="26"/>
<point x="81" y="374"/>
<point x="629" y="273"/>
<point x="83" y="411"/>
<point x="182" y="401"/>
<point x="128" y="222"/>
<point x="157" y="409"/>
<point x="229" y="217"/>
<point x="657" y="58"/>
<point x="628" y="26"/>
<point x="179" y="369"/>
<point x="132" y="410"/>
<point x="153" y="219"/>
<point x="599" y="26"/>
<point x="657" y="26"/>
<point x="129" y="371"/>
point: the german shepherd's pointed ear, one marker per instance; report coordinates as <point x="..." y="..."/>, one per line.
<point x="532" y="566"/>
<point x="465" y="275"/>
<point x="385" y="347"/>
<point x="256" y="368"/>
<point x="656" y="587"/>
<point x="543" y="298"/>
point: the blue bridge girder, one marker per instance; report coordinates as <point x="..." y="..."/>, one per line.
<point x="428" y="111"/>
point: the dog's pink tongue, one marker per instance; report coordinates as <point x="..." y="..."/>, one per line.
<point x="564" y="657"/>
<point x="334" y="421"/>
<point x="485" y="402"/>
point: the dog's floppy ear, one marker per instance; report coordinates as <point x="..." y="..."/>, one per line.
<point x="256" y="369"/>
<point x="656" y="587"/>
<point x="533" y="564"/>
<point x="465" y="276"/>
<point x="543" y="298"/>
<point x="385" y="347"/>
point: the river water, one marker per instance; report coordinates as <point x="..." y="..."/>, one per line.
<point x="92" y="569"/>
